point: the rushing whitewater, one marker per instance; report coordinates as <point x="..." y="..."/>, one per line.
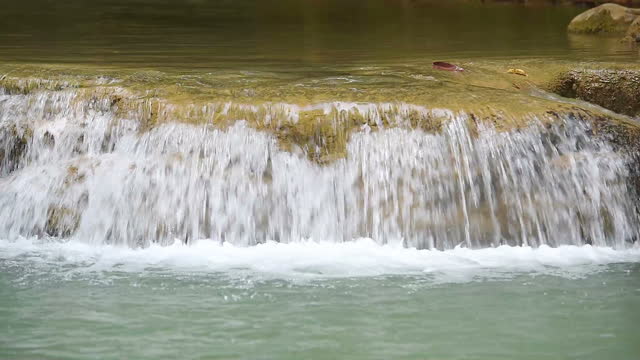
<point x="72" y="168"/>
<point x="309" y="259"/>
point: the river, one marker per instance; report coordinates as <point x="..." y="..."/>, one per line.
<point x="282" y="179"/>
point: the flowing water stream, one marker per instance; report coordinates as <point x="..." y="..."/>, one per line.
<point x="287" y="180"/>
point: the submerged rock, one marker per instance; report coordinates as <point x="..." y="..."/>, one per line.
<point x="604" y="19"/>
<point x="616" y="90"/>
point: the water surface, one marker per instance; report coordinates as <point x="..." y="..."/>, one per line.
<point x="319" y="301"/>
<point x="286" y="35"/>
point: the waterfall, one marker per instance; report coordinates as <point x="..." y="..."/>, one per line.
<point x="72" y="167"/>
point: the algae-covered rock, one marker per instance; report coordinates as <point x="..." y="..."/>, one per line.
<point x="616" y="90"/>
<point x="604" y="19"/>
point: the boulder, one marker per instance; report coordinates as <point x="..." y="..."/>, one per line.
<point x="604" y="19"/>
<point x="616" y="90"/>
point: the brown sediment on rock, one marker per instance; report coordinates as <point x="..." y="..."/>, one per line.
<point x="616" y="90"/>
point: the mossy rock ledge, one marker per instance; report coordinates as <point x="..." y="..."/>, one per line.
<point x="616" y="90"/>
<point x="604" y="19"/>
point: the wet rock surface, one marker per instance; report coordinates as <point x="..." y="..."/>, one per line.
<point x="616" y="90"/>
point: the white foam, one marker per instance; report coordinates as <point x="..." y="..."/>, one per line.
<point x="321" y="259"/>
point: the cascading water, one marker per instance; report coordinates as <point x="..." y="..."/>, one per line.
<point x="73" y="168"/>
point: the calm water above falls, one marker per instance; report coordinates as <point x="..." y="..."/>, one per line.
<point x="287" y="35"/>
<point x="124" y="241"/>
